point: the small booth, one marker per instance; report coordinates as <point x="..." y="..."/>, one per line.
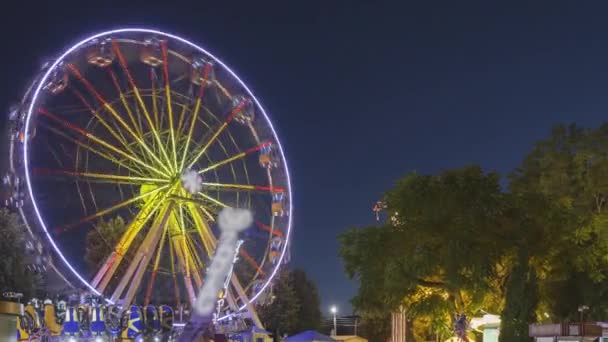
<point x="566" y="332"/>
<point x="9" y="311"/>
<point x="488" y="325"/>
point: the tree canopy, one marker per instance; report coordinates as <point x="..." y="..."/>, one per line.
<point x="442" y="256"/>
<point x="281" y="315"/>
<point x="102" y="240"/>
<point x="295" y="306"/>
<point x="459" y="243"/>
<point x="13" y="275"/>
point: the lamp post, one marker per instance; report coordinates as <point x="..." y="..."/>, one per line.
<point x="334" y="311"/>
<point x="582" y="310"/>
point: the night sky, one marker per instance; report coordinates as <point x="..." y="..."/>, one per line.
<point x="362" y="92"/>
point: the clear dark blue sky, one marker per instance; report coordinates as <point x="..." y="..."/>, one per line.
<point x="363" y="92"/>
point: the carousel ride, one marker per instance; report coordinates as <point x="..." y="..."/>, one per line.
<point x="148" y="129"/>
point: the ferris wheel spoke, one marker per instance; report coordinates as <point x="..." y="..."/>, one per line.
<point x="169" y="103"/>
<point x="115" y="114"/>
<point x="140" y="100"/>
<point x="202" y="229"/>
<point x="182" y="261"/>
<point x="93" y="150"/>
<point x="268" y="228"/>
<point x="119" y="137"/>
<point x="155" y="268"/>
<point x="174" y="275"/>
<point x="154" y="103"/>
<point x="139" y="264"/>
<point x="235" y="157"/>
<point x="195" y="263"/>
<point x="108" y="210"/>
<point x="199" y="264"/>
<point x="106" y="272"/>
<point x="180" y="124"/>
<point x="123" y="99"/>
<point x="230" y="117"/>
<point x="98" y="177"/>
<point x="222" y="89"/>
<point x="246" y="187"/>
<point x="197" y="108"/>
<point x="234" y="280"/>
<point x="251" y="261"/>
<point x="213" y="200"/>
<point x="180" y="226"/>
<point x="99" y="141"/>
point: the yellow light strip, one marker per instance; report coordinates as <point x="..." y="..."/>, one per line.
<point x="98" y="140"/>
<point x="232" y="186"/>
<point x="112" y="208"/>
<point x="211" y="199"/>
<point x="92" y="149"/>
<point x="123" y="63"/>
<point x="223" y="162"/>
<point x="94" y="175"/>
<point x="149" y="208"/>
<point x="123" y="99"/>
<point x="204" y="149"/>
<point x="197" y="109"/>
<point x="116" y="115"/>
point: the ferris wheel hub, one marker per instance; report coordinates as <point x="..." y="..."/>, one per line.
<point x="191" y="181"/>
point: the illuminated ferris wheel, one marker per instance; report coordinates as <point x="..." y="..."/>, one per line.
<point x="150" y="128"/>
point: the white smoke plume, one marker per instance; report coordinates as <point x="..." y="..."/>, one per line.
<point x="231" y="221"/>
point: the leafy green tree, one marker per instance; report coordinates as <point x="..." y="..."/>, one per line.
<point x="13" y="276"/>
<point x="528" y="220"/>
<point x="281" y="315"/>
<point x="569" y="168"/>
<point x="521" y="301"/>
<point x="375" y="328"/>
<point x="442" y="254"/>
<point x="295" y="305"/>
<point x="101" y="242"/>
<point x="458" y="244"/>
<point x="309" y="312"/>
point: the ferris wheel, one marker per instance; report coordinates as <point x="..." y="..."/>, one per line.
<point x="145" y="128"/>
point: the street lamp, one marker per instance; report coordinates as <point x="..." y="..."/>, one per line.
<point x="582" y="310"/>
<point x="334" y="311"/>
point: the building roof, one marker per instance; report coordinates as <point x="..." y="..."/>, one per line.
<point x="350" y="338"/>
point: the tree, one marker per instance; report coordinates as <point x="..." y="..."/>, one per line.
<point x="13" y="276"/>
<point x="458" y="244"/>
<point x="520" y="303"/>
<point x="309" y="312"/>
<point x="529" y="219"/>
<point x="295" y="305"/>
<point x="281" y="315"/>
<point x="440" y="257"/>
<point x="569" y="168"/>
<point x="375" y="328"/>
<point x="102" y="241"/>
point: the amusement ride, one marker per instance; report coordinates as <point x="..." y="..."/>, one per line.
<point x="150" y="129"/>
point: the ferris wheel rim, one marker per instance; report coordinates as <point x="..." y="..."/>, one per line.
<point x="189" y="43"/>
